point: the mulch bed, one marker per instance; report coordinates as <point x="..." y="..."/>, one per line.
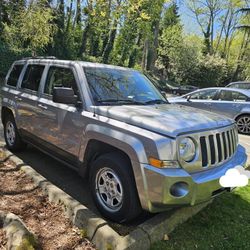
<point x="19" y="195"/>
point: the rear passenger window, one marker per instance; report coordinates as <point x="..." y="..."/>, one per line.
<point x="238" y="97"/>
<point x="60" y="77"/>
<point x="32" y="77"/>
<point x="14" y="75"/>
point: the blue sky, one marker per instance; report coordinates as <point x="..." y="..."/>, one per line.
<point x="189" y="22"/>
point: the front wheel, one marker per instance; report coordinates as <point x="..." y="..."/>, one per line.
<point x="243" y="123"/>
<point x="113" y="188"/>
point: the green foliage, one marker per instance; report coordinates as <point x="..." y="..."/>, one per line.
<point x="212" y="71"/>
<point x="8" y="55"/>
<point x="31" y="28"/>
<point x="29" y="242"/>
<point x="143" y="34"/>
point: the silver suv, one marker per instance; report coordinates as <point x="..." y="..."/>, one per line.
<point x="114" y="127"/>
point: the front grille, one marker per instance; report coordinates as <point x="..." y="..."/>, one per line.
<point x="218" y="147"/>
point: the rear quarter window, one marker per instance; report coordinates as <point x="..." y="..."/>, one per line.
<point x="32" y="77"/>
<point x="14" y="75"/>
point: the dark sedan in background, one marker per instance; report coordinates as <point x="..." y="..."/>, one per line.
<point x="239" y="85"/>
<point x="234" y="103"/>
<point x="180" y="89"/>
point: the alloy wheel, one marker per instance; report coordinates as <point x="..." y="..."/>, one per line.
<point x="109" y="189"/>
<point x="243" y="124"/>
<point x="10" y="133"/>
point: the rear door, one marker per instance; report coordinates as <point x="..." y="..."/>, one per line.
<point x="27" y="100"/>
<point x="229" y="103"/>
<point x="61" y="125"/>
<point x="10" y="92"/>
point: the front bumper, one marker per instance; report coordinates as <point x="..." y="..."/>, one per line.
<point x="194" y="187"/>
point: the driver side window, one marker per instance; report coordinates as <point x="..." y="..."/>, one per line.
<point x="60" y="77"/>
<point x="204" y="95"/>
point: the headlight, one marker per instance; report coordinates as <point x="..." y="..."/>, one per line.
<point x="187" y="149"/>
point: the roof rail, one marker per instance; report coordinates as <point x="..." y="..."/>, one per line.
<point x="39" y="57"/>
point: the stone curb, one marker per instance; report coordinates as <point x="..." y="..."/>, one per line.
<point x="18" y="236"/>
<point x="97" y="229"/>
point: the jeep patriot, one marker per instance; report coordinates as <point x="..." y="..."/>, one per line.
<point x="116" y="129"/>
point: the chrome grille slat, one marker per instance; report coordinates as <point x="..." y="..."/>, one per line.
<point x="227" y="144"/>
<point x="216" y="150"/>
<point x="208" y="151"/>
<point x="230" y="142"/>
<point x="222" y="148"/>
<point x="233" y="140"/>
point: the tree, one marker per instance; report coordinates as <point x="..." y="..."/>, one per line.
<point x="31" y="28"/>
<point x="206" y="13"/>
<point x="243" y="55"/>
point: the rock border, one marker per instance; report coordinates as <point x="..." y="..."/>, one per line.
<point x="97" y="229"/>
<point x="18" y="236"/>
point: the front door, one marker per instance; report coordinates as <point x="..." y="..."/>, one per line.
<point x="61" y="125"/>
<point x="202" y="99"/>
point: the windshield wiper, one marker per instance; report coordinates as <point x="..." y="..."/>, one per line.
<point x="156" y="101"/>
<point x="126" y="101"/>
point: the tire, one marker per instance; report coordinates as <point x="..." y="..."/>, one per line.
<point x="11" y="135"/>
<point x="117" y="197"/>
<point x="243" y="123"/>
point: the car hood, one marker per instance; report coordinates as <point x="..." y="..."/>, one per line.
<point x="168" y="119"/>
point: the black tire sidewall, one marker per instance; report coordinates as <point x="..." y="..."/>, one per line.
<point x="17" y="143"/>
<point x="237" y="124"/>
<point x="130" y="207"/>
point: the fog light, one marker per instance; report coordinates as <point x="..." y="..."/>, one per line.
<point x="179" y="189"/>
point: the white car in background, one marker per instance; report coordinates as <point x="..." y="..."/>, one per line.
<point x="231" y="102"/>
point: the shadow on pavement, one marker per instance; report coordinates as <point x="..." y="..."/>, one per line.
<point x="70" y="182"/>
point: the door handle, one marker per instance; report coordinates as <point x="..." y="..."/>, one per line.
<point x="18" y="98"/>
<point x="42" y="106"/>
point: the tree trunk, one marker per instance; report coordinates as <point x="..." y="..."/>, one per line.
<point x="133" y="55"/>
<point x="153" y="50"/>
<point x="110" y="44"/>
<point x="84" y="39"/>
<point x="145" y="55"/>
<point x="69" y="12"/>
<point x="245" y="42"/>
<point x="78" y="16"/>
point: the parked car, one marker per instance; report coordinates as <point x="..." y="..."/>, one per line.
<point x="114" y="127"/>
<point x="183" y="89"/>
<point x="234" y="103"/>
<point x="239" y="85"/>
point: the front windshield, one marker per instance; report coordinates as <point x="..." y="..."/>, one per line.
<point x="118" y="86"/>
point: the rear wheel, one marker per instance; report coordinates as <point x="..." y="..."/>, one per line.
<point x="113" y="188"/>
<point x="12" y="137"/>
<point x="243" y="123"/>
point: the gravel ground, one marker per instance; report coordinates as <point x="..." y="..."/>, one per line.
<point x="19" y="195"/>
<point x="3" y="239"/>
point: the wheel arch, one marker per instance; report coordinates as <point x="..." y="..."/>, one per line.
<point x="5" y="111"/>
<point x="241" y="114"/>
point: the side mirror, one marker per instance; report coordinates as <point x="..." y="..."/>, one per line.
<point x="164" y="94"/>
<point x="189" y="98"/>
<point x="64" y="95"/>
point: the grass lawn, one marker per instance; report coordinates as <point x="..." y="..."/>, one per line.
<point x="225" y="224"/>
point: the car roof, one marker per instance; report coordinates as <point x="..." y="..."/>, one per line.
<point x="243" y="91"/>
<point x="244" y="82"/>
<point x="69" y="62"/>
